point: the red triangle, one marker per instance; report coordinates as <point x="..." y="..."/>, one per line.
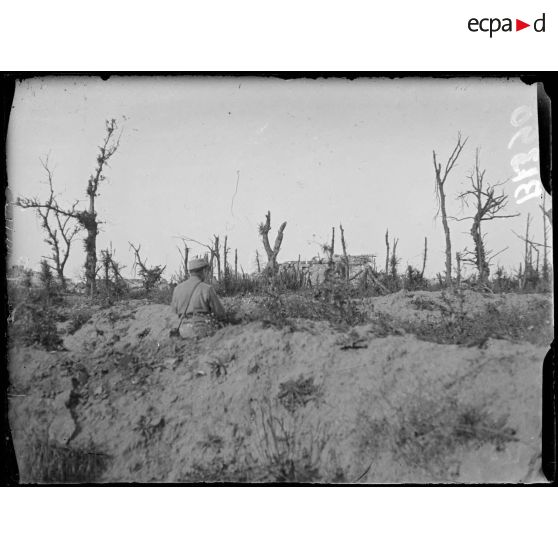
<point x="519" y="25"/>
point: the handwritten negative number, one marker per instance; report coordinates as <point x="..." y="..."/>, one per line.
<point x="532" y="188"/>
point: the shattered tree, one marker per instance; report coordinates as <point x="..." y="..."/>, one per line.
<point x="441" y="177"/>
<point x="546" y="215"/>
<point x="488" y="205"/>
<point x="264" y="229"/>
<point x="346" y="269"/>
<point x="87" y="219"/>
<point x="57" y="223"/>
<point x="528" y="272"/>
<point x="183" y="273"/>
<point x="150" y="275"/>
<point x="394" y="260"/>
<point x="424" y="257"/>
<point x="387" y="252"/>
<point x="116" y="283"/>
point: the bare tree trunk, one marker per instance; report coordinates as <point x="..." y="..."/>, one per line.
<point x="61" y="278"/>
<point x="481" y="263"/>
<point x="225" y="251"/>
<point x="106" y="265"/>
<point x="345" y="256"/>
<point x="88" y="219"/>
<point x="424" y="257"/>
<point x="90" y="243"/>
<point x="332" y="246"/>
<point x="184" y="259"/>
<point x="441" y="196"/>
<point x="236" y="263"/>
<point x="387" y="251"/>
<point x="526" y="265"/>
<point x="217" y="254"/>
<point x="272" y="253"/>
<point x="393" y="260"/>
<point x="458" y="260"/>
<point x="447" y="236"/>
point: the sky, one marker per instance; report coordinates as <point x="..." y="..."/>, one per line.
<point x="204" y="156"/>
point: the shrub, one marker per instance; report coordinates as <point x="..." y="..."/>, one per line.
<point x="111" y="290"/>
<point x="27" y="282"/>
<point x="217" y="470"/>
<point x="45" y="276"/>
<point x="274" y="311"/>
<point x="413" y="280"/>
<point x="281" y="310"/>
<point x="286" y="280"/>
<point x="503" y="283"/>
<point x="432" y="429"/>
<point x="36" y="324"/>
<point x="290" y="279"/>
<point x="79" y="317"/>
<point x="232" y="285"/>
<point x="337" y="295"/>
<point x="289" y="447"/>
<point x="423" y="431"/>
<point x="297" y="393"/>
<point x="161" y="295"/>
<point x="49" y="293"/>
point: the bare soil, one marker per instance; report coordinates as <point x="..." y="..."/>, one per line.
<point x="307" y="402"/>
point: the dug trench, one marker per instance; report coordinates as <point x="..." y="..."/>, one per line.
<point x="300" y="402"/>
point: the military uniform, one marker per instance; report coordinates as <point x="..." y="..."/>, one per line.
<point x="198" y="303"/>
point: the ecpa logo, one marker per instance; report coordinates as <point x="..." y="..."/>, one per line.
<point x="494" y="24"/>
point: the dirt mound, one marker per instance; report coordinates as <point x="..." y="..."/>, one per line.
<point x="263" y="404"/>
<point x="424" y="305"/>
<point x="124" y="326"/>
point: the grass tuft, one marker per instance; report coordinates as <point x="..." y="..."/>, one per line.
<point x="50" y="463"/>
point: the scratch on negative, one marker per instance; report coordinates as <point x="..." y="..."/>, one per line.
<point x="235" y="191"/>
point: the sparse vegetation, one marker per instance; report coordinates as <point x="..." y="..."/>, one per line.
<point x="454" y="325"/>
<point x="36" y="324"/>
<point x="78" y="319"/>
<point x="218" y="470"/>
<point x="294" y="394"/>
<point x="50" y="463"/>
<point x="290" y="448"/>
<point x="425" y="429"/>
<point x="33" y="316"/>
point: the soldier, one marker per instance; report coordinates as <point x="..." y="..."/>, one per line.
<point x="197" y="303"/>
